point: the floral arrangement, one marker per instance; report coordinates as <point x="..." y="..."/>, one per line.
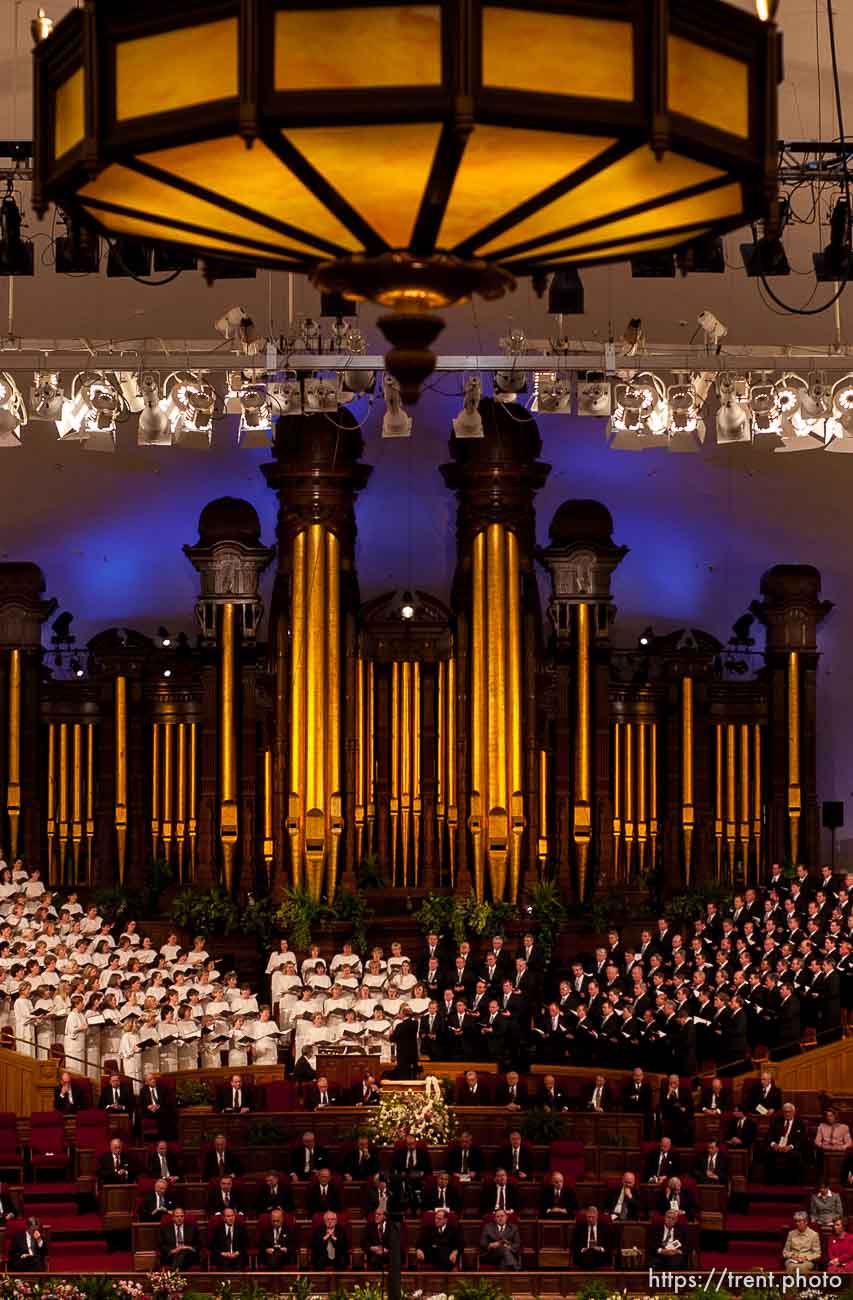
<point x="131" y="1290"/>
<point x="16" y="1288"/>
<point x="167" y="1284"/>
<point x="424" y="1115"/>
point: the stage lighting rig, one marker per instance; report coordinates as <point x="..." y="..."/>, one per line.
<point x="766" y="256"/>
<point x="733" y="413"/>
<point x="46" y="395"/>
<point x="552" y="393"/>
<point x="13" y="412"/>
<point x="154" y="429"/>
<point x="834" y="262"/>
<point x="469" y="423"/>
<point x="89" y="415"/>
<point x="189" y="404"/>
<point x="16" y="254"/>
<point x="594" y="397"/>
<point x="395" y="422"/>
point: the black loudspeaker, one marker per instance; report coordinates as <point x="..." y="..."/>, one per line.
<point x="833" y="814"/>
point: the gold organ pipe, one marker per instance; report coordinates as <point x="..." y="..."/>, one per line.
<point x="316" y="688"/>
<point x="394" y="803"/>
<point x="642" y="810"/>
<point x="192" y="820"/>
<point x="543" y="812"/>
<point x="479" y="784"/>
<point x="756" y="795"/>
<point x="450" y="765"/>
<point x="296" y="800"/>
<point x="181" y="810"/>
<point x="76" y="796"/>
<point x="416" y="772"/>
<point x="155" y="790"/>
<point x="227" y="745"/>
<point x="121" y="774"/>
<point x="628" y="764"/>
<point x="268" y="848"/>
<point x="794" y="792"/>
<point x="617" y="798"/>
<point x="405" y="716"/>
<point x="653" y="792"/>
<point x="63" y="797"/>
<point x="744" y="796"/>
<point x="731" y="809"/>
<point x="718" y="798"/>
<point x="360" y="757"/>
<point x="168" y="787"/>
<point x="13" y="787"/>
<point x="513" y="687"/>
<point x="90" y="797"/>
<point x="583" y="801"/>
<point x="496" y="810"/>
<point x="371" y="790"/>
<point x="334" y="792"/>
<point x="687" y="809"/>
<point x="51" y="802"/>
<point x="440" y="766"/>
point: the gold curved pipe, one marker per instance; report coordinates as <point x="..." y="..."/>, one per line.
<point x="76" y="797"/>
<point x="192" y="821"/>
<point x="13" y="786"/>
<point x="228" y="822"/>
<point x="417" y="798"/>
<point x="496" y="810"/>
<point x="744" y="797"/>
<point x="617" y="798"/>
<point x="52" y="877"/>
<point x="63" y="798"/>
<point x="181" y="809"/>
<point x="371" y="775"/>
<point x="168" y="788"/>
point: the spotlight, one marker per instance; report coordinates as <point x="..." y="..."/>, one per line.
<point x="766" y="9"/>
<point x="76" y="667"/>
<point x="593" y="396"/>
<point x="165" y="639"/>
<point x="685" y="399"/>
<point x="640" y="413"/>
<point x="286" y="396"/>
<point x="469" y="423"/>
<point x="89" y="414"/>
<point x="565" y="296"/>
<point x="167" y="672"/>
<point x="154" y="429"/>
<point x="310" y="335"/>
<point x="357" y="382"/>
<point x="732" y="415"/>
<point x="508" y="384"/>
<point x="321" y="395"/>
<point x="552" y="393"/>
<point x="839" y="427"/>
<point x="834" y="262"/>
<point x="128" y="259"/>
<point x="407" y="606"/>
<point x="40" y="27"/>
<point x="705" y="257"/>
<point x="645" y="637"/>
<point x="188" y="406"/>
<point x="16" y="254"/>
<point x="79" y="251"/>
<point x="653" y="266"/>
<point x="236" y="325"/>
<point x="13" y="412"/>
<point x="128" y="382"/>
<point x="714" y="330"/>
<point x="46" y="395"/>
<point x="256" y="417"/>
<point x="395" y="422"/>
<point x="765" y="405"/>
<point x="766" y="256"/>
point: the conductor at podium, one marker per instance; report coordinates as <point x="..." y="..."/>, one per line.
<point x="404" y="1036"/>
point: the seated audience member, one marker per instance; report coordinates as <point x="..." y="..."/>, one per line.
<point x="361" y="1163"/>
<point x="622" y="1202"/>
<point x="637" y="1097"/>
<point x="276" y="1243"/>
<point x="839" y="1252"/>
<point x="714" y="1165"/>
<point x="321" y="1094"/>
<point x="10" y="1206"/>
<point x="661" y="1163"/>
<point x="229" y="1242"/>
<point x="155" y="1102"/>
<point x="67" y="1096"/>
<point x="511" y="1092"/>
<point x="470" y="1091"/>
<point x="376" y="1195"/>
<point x="117" y="1095"/>
<point x="220" y="1160"/>
<point x="832" y="1135"/>
<point x="177" y="1242"/>
<point x="365" y="1093"/>
<point x="113" y="1166"/>
<point x="765" y="1096"/>
<point x="675" y="1111"/>
<point x="274" y="1193"/>
<point x="465" y="1159"/>
<point x="500" y="1242"/>
<point x="158" y="1202"/>
<point x="516" y="1158"/>
<point x="163" y="1163"/>
<point x="329" y="1244"/>
<point x="549" y="1096"/>
<point x="824" y="1206"/>
<point x="715" y="1099"/>
<point x="498" y="1194"/>
<point x="597" y="1096"/>
<point x="236" y="1097"/>
<point x="439" y="1245"/>
<point x="323" y="1194"/>
<point x="675" y="1196"/>
<point x="28" y="1250"/>
<point x="440" y="1194"/>
<point x="556" y="1200"/>
<point x="802" y="1250"/>
<point x="223" y="1195"/>
<point x="411" y="1160"/>
<point x="786" y="1145"/>
<point x="307" y="1157"/>
<point x="740" y="1129"/>
<point x="375" y="1241"/>
<point x="668" y="1247"/>
<point x="591" y="1247"/>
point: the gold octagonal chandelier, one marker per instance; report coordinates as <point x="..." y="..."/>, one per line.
<point x="405" y="153"/>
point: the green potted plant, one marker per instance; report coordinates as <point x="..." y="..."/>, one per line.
<point x="192" y="1094"/>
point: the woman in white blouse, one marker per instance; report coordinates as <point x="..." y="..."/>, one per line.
<point x="238" y="1052"/>
<point x="74" y="1038"/>
<point x="188" y="1038"/>
<point x="265" y="1050"/>
<point x="130" y="1054"/>
<point x="149" y="1040"/>
<point x="168" y="1049"/>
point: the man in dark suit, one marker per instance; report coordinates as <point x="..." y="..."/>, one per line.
<point x="113" y="1165"/>
<point x="551" y="1034"/>
<point x="622" y="1202"/>
<point x="366" y="1092"/>
<point x="465" y="1158"/>
<point x="715" y="1098"/>
<point x="432" y="1031"/>
<point x="675" y="1111"/>
<point x="158" y="1202"/>
<point x="163" y="1163"/>
<point x="329" y="1245"/>
<point x="157" y="1103"/>
<point x="550" y="1096"/>
<point x="439" y="1245"/>
<point x="361" y="1163"/>
<point x="668" y="1247"/>
<point x="788" y="1020"/>
<point x="411" y="1161"/>
<point x="322" y="1194"/>
<point x="556" y="1200"/>
<point x="516" y="1158"/>
<point x="322" y="1093"/>
<point x="67" y="1096"/>
<point x="661" y="1163"/>
<point x="500" y="1242"/>
<point x="433" y="950"/>
<point x="307" y="1157"/>
<point x="764" y="1096"/>
<point x="375" y="1242"/>
<point x="713" y="1168"/>
<point x="637" y="1097"/>
<point x="499" y="1193"/>
<point x="441" y="1194"/>
<point x="222" y="1196"/>
<point x="740" y="1130"/>
<point x="674" y="1195"/>
<point x="471" y="1091"/>
<point x="220" y="1160"/>
<point x="10" y="1207"/>
<point x="597" y="1095"/>
<point x="178" y="1243"/>
<point x="404" y="1036"/>
<point x="786" y="1146"/>
<point x="117" y="1096"/>
<point x="274" y="1193"/>
<point x="591" y="1241"/>
<point x="235" y="1098"/>
<point x="511" y="1092"/>
<point x="28" y="1250"/>
<point x="229" y="1243"/>
<point x="276" y="1243"/>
